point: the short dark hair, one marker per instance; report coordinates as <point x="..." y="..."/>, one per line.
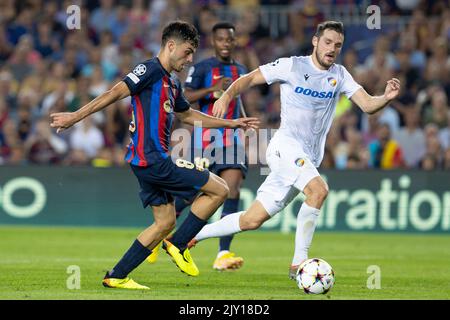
<point x="180" y="30"/>
<point x="223" y="25"/>
<point x="333" y="25"/>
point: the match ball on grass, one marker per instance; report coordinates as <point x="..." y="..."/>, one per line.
<point x="315" y="276"/>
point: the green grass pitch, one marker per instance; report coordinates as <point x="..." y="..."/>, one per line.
<point x="34" y="262"/>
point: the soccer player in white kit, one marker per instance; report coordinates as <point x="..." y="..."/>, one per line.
<point x="310" y="88"/>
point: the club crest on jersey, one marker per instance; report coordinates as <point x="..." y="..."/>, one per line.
<point x="140" y="70"/>
<point x="332" y="81"/>
<point x="300" y="162"/>
<point x="167" y="106"/>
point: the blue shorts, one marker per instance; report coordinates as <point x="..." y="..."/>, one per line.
<point x="162" y="181"/>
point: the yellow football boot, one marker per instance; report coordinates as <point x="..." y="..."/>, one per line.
<point x="154" y="255"/>
<point x="228" y="261"/>
<point x="125" y="283"/>
<point x="182" y="260"/>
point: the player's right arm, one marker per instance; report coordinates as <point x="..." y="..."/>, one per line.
<point x="245" y="82"/>
<point x="194" y="88"/>
<point x="195" y="95"/>
<point x="64" y="120"/>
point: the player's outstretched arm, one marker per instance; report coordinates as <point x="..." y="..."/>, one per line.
<point x="372" y="104"/>
<point x="64" y="120"/>
<point x="195" y="95"/>
<point x="195" y="117"/>
<point x="240" y="85"/>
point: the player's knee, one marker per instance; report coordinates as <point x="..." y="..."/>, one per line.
<point x="318" y="195"/>
<point x="323" y="193"/>
<point x="166" y="226"/>
<point x="249" y="223"/>
<point x="234" y="192"/>
<point x="223" y="192"/>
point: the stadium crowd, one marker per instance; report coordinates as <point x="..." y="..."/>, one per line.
<point x="45" y="68"/>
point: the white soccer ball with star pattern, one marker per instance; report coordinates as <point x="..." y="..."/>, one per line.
<point x="315" y="276"/>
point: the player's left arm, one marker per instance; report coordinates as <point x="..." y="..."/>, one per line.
<point x="372" y="104"/>
<point x="195" y="117"/>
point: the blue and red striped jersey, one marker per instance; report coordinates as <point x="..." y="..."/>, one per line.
<point x="205" y="74"/>
<point x="155" y="96"/>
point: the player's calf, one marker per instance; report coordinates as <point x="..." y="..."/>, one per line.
<point x="316" y="191"/>
<point x="215" y="192"/>
<point x="254" y="217"/>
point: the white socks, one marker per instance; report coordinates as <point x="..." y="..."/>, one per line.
<point x="306" y="224"/>
<point x="226" y="226"/>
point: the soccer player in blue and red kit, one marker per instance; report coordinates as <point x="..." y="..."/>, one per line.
<point x="156" y="98"/>
<point x="205" y="83"/>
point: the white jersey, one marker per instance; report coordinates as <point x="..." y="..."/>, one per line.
<point x="308" y="99"/>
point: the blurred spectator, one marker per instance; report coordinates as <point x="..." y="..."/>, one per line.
<point x="43" y="40"/>
<point x="43" y="146"/>
<point x="23" y="58"/>
<point x="21" y="26"/>
<point x="76" y="157"/>
<point x="6" y="48"/>
<point x="350" y="144"/>
<point x="138" y="13"/>
<point x="433" y="147"/>
<point x="3" y="112"/>
<point x="437" y="113"/>
<point x="382" y="57"/>
<point x="350" y="61"/>
<point x="273" y="107"/>
<point x="431" y="130"/>
<point x="406" y="6"/>
<point x="412" y="139"/>
<point x="103" y="159"/>
<point x="312" y="14"/>
<point x="7" y="87"/>
<point x="85" y="136"/>
<point x="108" y="67"/>
<point x="11" y="150"/>
<point x="429" y="162"/>
<point x="387" y="116"/>
<point x="446" y="164"/>
<point x="24" y="122"/>
<point x="61" y="93"/>
<point x="116" y="126"/>
<point x="328" y="161"/>
<point x="369" y="127"/>
<point x="385" y="153"/>
<point x="121" y="22"/>
<point x="438" y="65"/>
<point x="104" y="17"/>
<point x="444" y="134"/>
<point x="409" y="43"/>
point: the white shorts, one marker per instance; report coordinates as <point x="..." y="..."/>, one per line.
<point x="290" y="172"/>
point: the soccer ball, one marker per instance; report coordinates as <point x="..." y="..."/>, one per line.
<point x="315" y="276"/>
